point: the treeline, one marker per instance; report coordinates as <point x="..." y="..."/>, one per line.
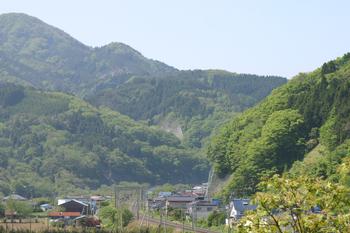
<point x="312" y="109"/>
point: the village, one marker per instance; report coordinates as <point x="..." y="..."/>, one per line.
<point x="190" y="208"/>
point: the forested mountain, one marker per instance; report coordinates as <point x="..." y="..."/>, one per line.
<point x="189" y="104"/>
<point x="310" y="115"/>
<point x="56" y="143"/>
<point x="46" y="57"/>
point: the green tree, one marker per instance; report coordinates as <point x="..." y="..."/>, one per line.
<point x="2" y="209"/>
<point x="115" y="219"/>
<point x="22" y="209"/>
<point x="216" y="218"/>
<point x="286" y="206"/>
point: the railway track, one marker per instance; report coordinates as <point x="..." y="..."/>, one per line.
<point x="177" y="225"/>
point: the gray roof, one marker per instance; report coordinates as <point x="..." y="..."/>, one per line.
<point x="202" y="203"/>
<point x="181" y="199"/>
<point x="15" y="197"/>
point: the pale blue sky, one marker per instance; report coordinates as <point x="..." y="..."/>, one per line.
<point x="281" y="37"/>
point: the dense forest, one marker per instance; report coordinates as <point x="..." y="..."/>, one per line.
<point x="301" y="128"/>
<point x="194" y="102"/>
<point x="53" y="142"/>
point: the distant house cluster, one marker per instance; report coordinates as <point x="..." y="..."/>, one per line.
<point x="193" y="202"/>
<point x="196" y="204"/>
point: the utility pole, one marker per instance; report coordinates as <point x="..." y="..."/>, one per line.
<point x="166" y="215"/>
<point x="138" y="204"/>
<point x="194" y="216"/>
<point x="164" y="226"/>
<point x="161" y="219"/>
<point x="147" y="206"/>
<point x="183" y="220"/>
<point x="121" y="219"/>
<point x="115" y="197"/>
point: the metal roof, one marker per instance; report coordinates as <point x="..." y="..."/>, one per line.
<point x="79" y="202"/>
<point x="181" y="199"/>
<point x="64" y="214"/>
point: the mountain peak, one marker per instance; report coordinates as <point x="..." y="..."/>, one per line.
<point x="19" y="16"/>
<point x="121" y="48"/>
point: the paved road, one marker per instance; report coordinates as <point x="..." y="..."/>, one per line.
<point x="177" y="225"/>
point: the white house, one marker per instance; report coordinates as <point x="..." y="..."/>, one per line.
<point x="201" y="209"/>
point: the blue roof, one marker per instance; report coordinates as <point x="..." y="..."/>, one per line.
<point x="165" y="194"/>
<point x="45" y="205"/>
<point x="242" y="205"/>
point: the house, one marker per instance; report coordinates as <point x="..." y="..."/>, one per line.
<point x="98" y="198"/>
<point x="89" y="205"/>
<point x="179" y="202"/>
<point x="237" y="209"/>
<point x="156" y="203"/>
<point x="15" y="197"/>
<point x="165" y="194"/>
<point x="45" y="207"/>
<point x="201" y="209"/>
<point x="76" y="206"/>
<point x="200" y="190"/>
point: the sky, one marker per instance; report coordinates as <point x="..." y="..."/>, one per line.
<point x="268" y="37"/>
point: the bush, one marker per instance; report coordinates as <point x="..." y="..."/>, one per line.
<point x="216" y="219"/>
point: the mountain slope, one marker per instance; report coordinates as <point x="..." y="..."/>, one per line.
<point x="310" y="109"/>
<point x="192" y="102"/>
<point x="53" y="142"/>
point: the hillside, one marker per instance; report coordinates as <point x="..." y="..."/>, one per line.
<point x="52" y="142"/>
<point x="189" y="104"/>
<point x="311" y="111"/>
